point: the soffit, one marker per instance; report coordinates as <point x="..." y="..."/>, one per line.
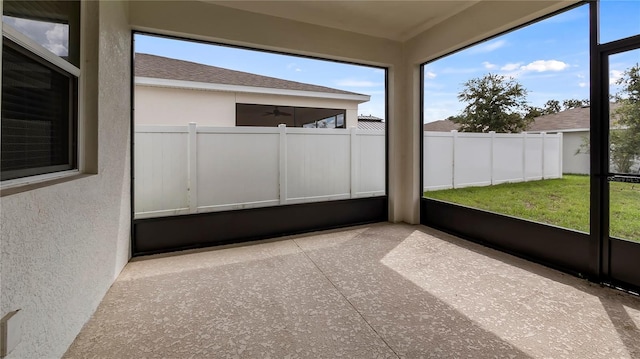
<point x="394" y="20"/>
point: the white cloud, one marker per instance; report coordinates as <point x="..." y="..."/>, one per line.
<point x="583" y="84"/>
<point x="430" y="75"/>
<point x="487" y="65"/>
<point x="52" y="36"/>
<point x="511" y="66"/>
<point x="356" y="83"/>
<point x="545" y="65"/>
<point x="294" y="67"/>
<point x="488" y="47"/>
<point x="614" y="76"/>
<point x="57" y="36"/>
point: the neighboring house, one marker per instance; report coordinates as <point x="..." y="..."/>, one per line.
<point x="170" y="91"/>
<point x="574" y="126"/>
<point x="370" y="123"/>
<point x="440" y="126"/>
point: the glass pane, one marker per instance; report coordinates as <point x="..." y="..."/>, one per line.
<point x="619" y="19"/>
<point x="507" y="123"/>
<point x="624" y="144"/>
<point x="55" y="25"/>
<point x="35" y="116"/>
<point x="624" y="134"/>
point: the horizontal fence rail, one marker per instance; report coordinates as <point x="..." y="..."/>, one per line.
<point x="456" y="160"/>
<point x="196" y="169"/>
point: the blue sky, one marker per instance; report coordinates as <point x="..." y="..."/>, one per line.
<point x="549" y="58"/>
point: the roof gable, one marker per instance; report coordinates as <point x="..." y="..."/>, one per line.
<point x="172" y="69"/>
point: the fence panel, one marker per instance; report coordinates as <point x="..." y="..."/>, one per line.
<point x="438" y="160"/>
<point x="472" y="160"/>
<point x="508" y="158"/>
<point x="237" y="170"/>
<point x="318" y="165"/>
<point x="369" y="163"/>
<point x="190" y="169"/>
<point x="455" y="160"/>
<point x="552" y="162"/>
<point x="161" y="171"/>
<point x="534" y="158"/>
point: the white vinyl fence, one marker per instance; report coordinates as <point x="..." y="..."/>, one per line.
<point x="455" y="160"/>
<point x="192" y="169"/>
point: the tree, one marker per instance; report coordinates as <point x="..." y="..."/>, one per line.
<point x="573" y="103"/>
<point x="494" y="103"/>
<point x="553" y="106"/>
<point x="624" y="135"/>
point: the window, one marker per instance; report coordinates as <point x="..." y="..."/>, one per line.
<point x="40" y="59"/>
<point x="271" y="116"/>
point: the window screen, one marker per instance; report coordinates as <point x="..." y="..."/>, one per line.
<point x="37" y="116"/>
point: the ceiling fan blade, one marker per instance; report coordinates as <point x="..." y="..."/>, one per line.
<point x="268" y="114"/>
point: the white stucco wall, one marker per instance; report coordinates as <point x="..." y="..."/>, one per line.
<point x="162" y="105"/>
<point x="64" y="244"/>
<point x="572" y="163"/>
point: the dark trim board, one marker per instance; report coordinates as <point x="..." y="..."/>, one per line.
<point x="551" y="246"/>
<point x="625" y="268"/>
<point x="157" y="235"/>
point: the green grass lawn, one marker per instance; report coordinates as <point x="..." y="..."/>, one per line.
<point x="561" y="202"/>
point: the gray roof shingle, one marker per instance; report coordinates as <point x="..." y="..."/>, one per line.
<point x="172" y="69"/>
<point x="573" y="119"/>
<point x="370" y="123"/>
<point x="440" y="126"/>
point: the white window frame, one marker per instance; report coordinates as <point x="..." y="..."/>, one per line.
<point x="38" y="50"/>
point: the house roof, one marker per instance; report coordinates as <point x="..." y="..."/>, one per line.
<point x="369" y="118"/>
<point x="440" y="126"/>
<point x="573" y="119"/>
<point x="172" y="69"/>
<point x="370" y="123"/>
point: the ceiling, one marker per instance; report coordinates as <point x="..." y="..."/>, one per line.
<point x="394" y="20"/>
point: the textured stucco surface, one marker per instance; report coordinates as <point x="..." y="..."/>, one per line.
<point x="63" y="245"/>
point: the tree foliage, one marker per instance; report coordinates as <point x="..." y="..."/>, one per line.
<point x="494" y="103"/>
<point x="554" y="106"/>
<point x="625" y="132"/>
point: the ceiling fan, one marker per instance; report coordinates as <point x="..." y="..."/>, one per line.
<point x="276" y="112"/>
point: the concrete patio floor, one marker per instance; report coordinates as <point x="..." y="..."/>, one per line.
<point x="378" y="291"/>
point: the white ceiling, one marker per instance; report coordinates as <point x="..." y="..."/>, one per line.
<point x="395" y="20"/>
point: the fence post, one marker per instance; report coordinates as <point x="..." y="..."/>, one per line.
<point x="560" y="153"/>
<point x="493" y="139"/>
<point x="544" y="142"/>
<point x="192" y="168"/>
<point x="354" y="162"/>
<point x="453" y="156"/>
<point x="283" y="163"/>
<point x="524" y="157"/>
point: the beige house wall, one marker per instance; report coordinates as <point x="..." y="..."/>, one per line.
<point x="176" y="106"/>
<point x="171" y="106"/>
